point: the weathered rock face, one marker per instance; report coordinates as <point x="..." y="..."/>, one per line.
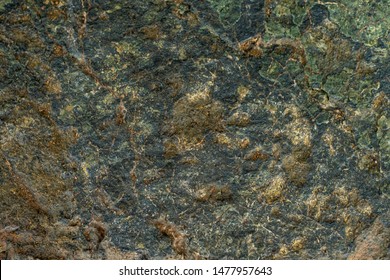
<point x="194" y="129"/>
<point x="374" y="242"/>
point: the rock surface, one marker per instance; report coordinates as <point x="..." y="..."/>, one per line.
<point x="215" y="129"/>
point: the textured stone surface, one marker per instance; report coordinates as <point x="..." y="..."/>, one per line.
<point x="374" y="242"/>
<point x="211" y="129"/>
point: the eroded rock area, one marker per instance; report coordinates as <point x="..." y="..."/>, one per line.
<point x="174" y="129"/>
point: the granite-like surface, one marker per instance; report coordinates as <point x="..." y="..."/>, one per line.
<point x="214" y="129"/>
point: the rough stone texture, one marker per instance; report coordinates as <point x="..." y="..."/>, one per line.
<point x="374" y="242"/>
<point x="216" y="129"/>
